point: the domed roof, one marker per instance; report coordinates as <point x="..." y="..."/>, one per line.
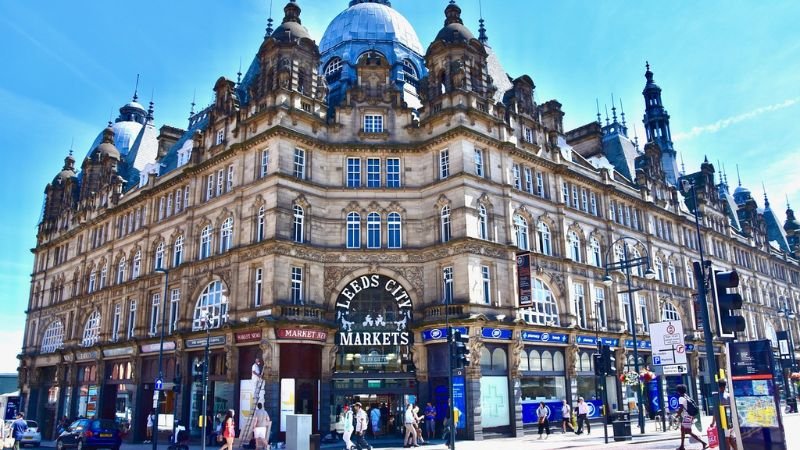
<point x="107" y="148"/>
<point x="125" y="134"/>
<point x="454" y="29"/>
<point x="291" y="29"/>
<point x="68" y="171"/>
<point x="370" y="22"/>
<point x="791" y="222"/>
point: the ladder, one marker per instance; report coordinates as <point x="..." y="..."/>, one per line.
<point x="247" y="431"/>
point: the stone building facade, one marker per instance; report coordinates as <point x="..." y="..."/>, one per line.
<point x="336" y="205"/>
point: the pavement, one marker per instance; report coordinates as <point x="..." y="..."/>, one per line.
<point x="652" y="439"/>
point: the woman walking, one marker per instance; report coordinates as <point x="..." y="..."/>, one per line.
<point x="228" y="430"/>
<point x="566" y="417"/>
<point x="347" y="418"/>
<point x="409" y="421"/>
<point x="542" y="413"/>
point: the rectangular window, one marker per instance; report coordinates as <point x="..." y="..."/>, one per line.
<point x="527" y="134"/>
<point x="161" y="208"/>
<point x="297" y="285"/>
<point x="393" y="172"/>
<point x="592" y="203"/>
<point x="373" y="172"/>
<point x="584" y="200"/>
<point x="220" y="137"/>
<point x="516" y="176"/>
<point x="575" y="202"/>
<point x="103" y="276"/>
<point x="478" y="158"/>
<point x="210" y="187"/>
<point x="620" y="214"/>
<point x="300" y="164"/>
<point x="186" y="197"/>
<point x="169" y="204"/>
<point x="174" y="307"/>
<point x="220" y="181"/>
<point x="635" y="218"/>
<point x="627" y="215"/>
<point x="539" y="184"/>
<point x="155" y="314"/>
<point x="565" y="193"/>
<point x="373" y="123"/>
<point x="580" y="305"/>
<point x="528" y="180"/>
<point x="643" y="313"/>
<point x="115" y="323"/>
<point x="257" y="290"/>
<point x="626" y="309"/>
<point x="444" y="164"/>
<point x="447" y="285"/>
<point x="178" y="200"/>
<point x="600" y="307"/>
<point x="487" y="285"/>
<point x="353" y="172"/>
<point x="229" y="179"/>
<point x="132" y="320"/>
<point x="264" y="164"/>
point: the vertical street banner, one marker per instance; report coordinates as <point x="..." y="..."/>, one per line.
<point x="524" y="279"/>
<point x="755" y="395"/>
<point x="460" y="401"/>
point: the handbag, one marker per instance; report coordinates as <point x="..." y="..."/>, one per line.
<point x="220" y="438"/>
<point x="8" y="442"/>
<point x="713" y="436"/>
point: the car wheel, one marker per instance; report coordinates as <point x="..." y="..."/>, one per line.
<point x="79" y="446"/>
<point x="60" y="444"/>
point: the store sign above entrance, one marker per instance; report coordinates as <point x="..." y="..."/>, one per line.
<point x="152" y="348"/>
<point x="303" y="334"/>
<point x="537" y="336"/>
<point x="440" y="334"/>
<point x="640" y="344"/>
<point x="201" y="342"/>
<point x="373" y="310"/>
<point x="497" y="333"/>
<point x="592" y="341"/>
<point x="248" y="336"/>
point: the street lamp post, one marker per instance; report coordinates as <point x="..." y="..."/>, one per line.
<point x="790" y="316"/>
<point x="157" y="393"/>
<point x="206" y="319"/>
<point x="626" y="264"/>
<point x="599" y="380"/>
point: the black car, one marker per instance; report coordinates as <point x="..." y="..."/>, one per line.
<point x="85" y="434"/>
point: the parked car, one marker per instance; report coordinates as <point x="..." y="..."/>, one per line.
<point x="85" y="434"/>
<point x="32" y="436"/>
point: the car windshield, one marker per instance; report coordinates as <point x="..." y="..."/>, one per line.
<point x="98" y="425"/>
<point x="32" y="424"/>
<point x="79" y="425"/>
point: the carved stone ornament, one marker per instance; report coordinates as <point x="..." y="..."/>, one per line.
<point x="571" y="359"/>
<point x="517" y="347"/>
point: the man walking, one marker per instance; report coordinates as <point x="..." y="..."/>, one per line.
<point x="583" y="414"/>
<point x="261" y="427"/>
<point x="687" y="411"/>
<point x="18" y="428"/>
<point x="430" y="421"/>
<point x="362" y="425"/>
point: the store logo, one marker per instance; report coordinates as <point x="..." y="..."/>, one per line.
<point x="496" y="333"/>
<point x="436" y="333"/>
<point x="545" y="336"/>
<point x="374" y="310"/>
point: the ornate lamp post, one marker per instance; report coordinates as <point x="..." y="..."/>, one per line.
<point x="790" y="316"/>
<point x="626" y="263"/>
<point x="157" y="393"/>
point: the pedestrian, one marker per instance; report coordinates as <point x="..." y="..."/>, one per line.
<point x="261" y="426"/>
<point x="583" y="414"/>
<point x="566" y="417"/>
<point x="255" y="375"/>
<point x="542" y="414"/>
<point x="375" y="419"/>
<point x="150" y="419"/>
<point x="385" y="418"/>
<point x="687" y="411"/>
<point x="347" y="430"/>
<point x="417" y="420"/>
<point x="18" y="428"/>
<point x="451" y="421"/>
<point x="362" y="425"/>
<point x="409" y="419"/>
<point x="725" y="402"/>
<point x="430" y="420"/>
<point x="228" y="430"/>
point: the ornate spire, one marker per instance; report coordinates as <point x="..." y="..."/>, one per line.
<point x="607" y="122"/>
<point x="452" y="14"/>
<point x="613" y="109"/>
<point x="269" y="29"/>
<point x="623" y="113"/>
<point x="239" y="73"/>
<point x="766" y="200"/>
<point x="683" y="166"/>
<point x="191" y="109"/>
<point x="151" y="107"/>
<point x="635" y="137"/>
<point x="136" y="89"/>
<point x="597" y="103"/>
<point x="291" y="12"/>
<point x="738" y="177"/>
<point x="648" y="74"/>
<point x="481" y="29"/>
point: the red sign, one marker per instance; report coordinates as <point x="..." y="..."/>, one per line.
<point x="248" y="336"/>
<point x="524" y="279"/>
<point x="308" y="334"/>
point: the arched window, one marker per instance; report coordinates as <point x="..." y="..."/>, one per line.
<point x="595" y="256"/>
<point x="574" y="246"/>
<point x="670" y="313"/>
<point x="373" y="230"/>
<point x="499" y="360"/>
<point x="408" y="73"/>
<point x="547" y="361"/>
<point x="353" y="230"/>
<point x="297" y="224"/>
<point x="535" y="361"/>
<point x="619" y="253"/>
<point x="558" y="362"/>
<point x="659" y="269"/>
<point x="395" y="225"/>
<point x="53" y="338"/>
<point x="483" y="223"/>
<point x="92" y="285"/>
<point x="333" y="67"/>
<point x="212" y="304"/>
<point x="137" y="265"/>
<point x="177" y="252"/>
<point x="524" y="364"/>
<point x="159" y="257"/>
<point x="91" y="331"/>
<point x="769" y="331"/>
<point x="585" y="363"/>
<point x="205" y="242"/>
<point x="544" y="310"/>
<point x="122" y="269"/>
<point x="673" y="275"/>
<point x="637" y="270"/>
<point x="486" y="359"/>
<point x="260" y="224"/>
<point x="226" y="235"/>
<point x="545" y="244"/>
<point x="521" y="227"/>
<point x="444" y="222"/>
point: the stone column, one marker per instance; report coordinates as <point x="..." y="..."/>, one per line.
<point x="515" y="350"/>
<point x="329" y="352"/>
<point x="270" y="353"/>
<point x="472" y="386"/>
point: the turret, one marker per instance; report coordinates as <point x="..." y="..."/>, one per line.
<point x="656" y="124"/>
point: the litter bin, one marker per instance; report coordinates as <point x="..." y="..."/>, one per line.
<point x="621" y="423"/>
<point x="313" y="443"/>
<point x="791" y="403"/>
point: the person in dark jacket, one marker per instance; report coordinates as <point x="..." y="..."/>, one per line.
<point x="18" y="428"/>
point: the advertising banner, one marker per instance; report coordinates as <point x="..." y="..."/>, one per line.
<point x="460" y="401"/>
<point x="287" y="400"/>
<point x="524" y="279"/>
<point x="554" y="407"/>
<point x="494" y="401"/>
<point x="755" y="395"/>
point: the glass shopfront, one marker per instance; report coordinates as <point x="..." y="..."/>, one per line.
<point x="220" y="391"/>
<point x="88" y="391"/>
<point x="586" y="380"/>
<point x="543" y="380"/>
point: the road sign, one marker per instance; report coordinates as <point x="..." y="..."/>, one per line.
<point x="674" y="369"/>
<point x="159" y="384"/>
<point x="668" y="345"/>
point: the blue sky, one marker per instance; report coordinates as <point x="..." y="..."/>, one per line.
<point x="729" y="71"/>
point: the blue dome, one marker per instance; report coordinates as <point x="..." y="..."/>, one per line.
<point x="370" y="22"/>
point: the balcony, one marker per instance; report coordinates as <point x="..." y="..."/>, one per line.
<point x="436" y="313"/>
<point x="299" y="313"/>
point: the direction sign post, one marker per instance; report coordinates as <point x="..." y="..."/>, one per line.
<point x="669" y="350"/>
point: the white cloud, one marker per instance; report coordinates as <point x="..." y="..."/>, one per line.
<point x="9" y="351"/>
<point x="725" y="123"/>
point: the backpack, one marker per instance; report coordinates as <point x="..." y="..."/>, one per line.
<point x="691" y="407"/>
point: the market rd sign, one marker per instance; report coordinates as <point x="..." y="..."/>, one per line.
<point x="305" y="334"/>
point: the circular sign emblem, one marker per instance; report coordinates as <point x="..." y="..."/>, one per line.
<point x="591" y="409"/>
<point x="673" y="402"/>
<point x="671" y="329"/>
<point x="545" y="336"/>
<point x="436" y="333"/>
<point x="496" y="333"/>
<point x="680" y="348"/>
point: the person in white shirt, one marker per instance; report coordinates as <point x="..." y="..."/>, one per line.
<point x="686" y="419"/>
<point x="362" y="425"/>
<point x="583" y="414"/>
<point x="543" y="417"/>
<point x="347" y="430"/>
<point x="150" y="419"/>
<point x="566" y="417"/>
<point x="255" y="375"/>
<point x="409" y="419"/>
<point x="261" y="426"/>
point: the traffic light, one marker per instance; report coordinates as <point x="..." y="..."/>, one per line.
<point x="609" y="362"/>
<point x="599" y="366"/>
<point x="460" y="351"/>
<point x="726" y="303"/>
